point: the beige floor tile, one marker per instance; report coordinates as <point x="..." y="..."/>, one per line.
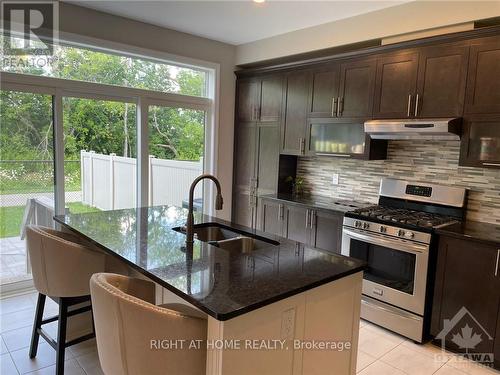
<point x="17" y="303"/>
<point x="364" y="359"/>
<point x="18" y="338"/>
<point x="83" y="348"/>
<point x="3" y="347"/>
<point x="7" y="366"/>
<point x="411" y="362"/>
<point x="381" y="368"/>
<point x="46" y="356"/>
<point x="90" y="364"/>
<point x="471" y="368"/>
<point x="385" y="333"/>
<point x="376" y="344"/>
<point x="429" y="350"/>
<point x="16" y="320"/>
<point x="449" y="370"/>
<point x="71" y="367"/>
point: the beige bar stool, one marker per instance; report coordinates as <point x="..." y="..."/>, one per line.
<point x="130" y="329"/>
<point x="61" y="267"/>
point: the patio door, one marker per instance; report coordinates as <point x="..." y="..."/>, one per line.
<point x="26" y="177"/>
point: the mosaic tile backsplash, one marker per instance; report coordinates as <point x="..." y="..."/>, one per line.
<point x="425" y="161"/>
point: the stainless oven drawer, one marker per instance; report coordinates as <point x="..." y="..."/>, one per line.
<point x="392" y="318"/>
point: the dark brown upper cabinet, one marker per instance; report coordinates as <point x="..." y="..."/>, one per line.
<point x="342" y="90"/>
<point x="247" y="99"/>
<point x="260" y="99"/>
<point x="324" y="95"/>
<point x="442" y="76"/>
<point x="396" y="84"/>
<point x="428" y="82"/>
<point x="481" y="141"/>
<point x="271" y="99"/>
<point x="293" y="128"/>
<point x="483" y="86"/>
<point x="357" y="82"/>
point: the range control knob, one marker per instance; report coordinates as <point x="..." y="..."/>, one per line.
<point x="409" y="234"/>
<point x="383" y="229"/>
<point x="357" y="224"/>
<point x="366" y="225"/>
<point x="401" y="233"/>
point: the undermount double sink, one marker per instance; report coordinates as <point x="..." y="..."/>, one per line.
<point x="227" y="238"/>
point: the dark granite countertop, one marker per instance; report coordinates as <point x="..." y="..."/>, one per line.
<point x="473" y="230"/>
<point x="222" y="283"/>
<point x="320" y="202"/>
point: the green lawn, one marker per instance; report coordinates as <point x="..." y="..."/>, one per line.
<point x="11" y="217"/>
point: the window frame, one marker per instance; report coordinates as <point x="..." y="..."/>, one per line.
<point x="59" y="88"/>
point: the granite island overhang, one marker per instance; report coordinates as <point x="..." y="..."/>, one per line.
<point x="300" y="292"/>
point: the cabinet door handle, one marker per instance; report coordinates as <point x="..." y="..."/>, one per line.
<point x="302" y="146"/>
<point x="498" y="262"/>
<point x="416" y="106"/>
<point x="312" y="222"/>
<point x="334" y="106"/>
<point x="338" y="106"/>
<point x="307" y="218"/>
<point x="492" y="164"/>
<point x="280" y="212"/>
<point x="409" y="106"/>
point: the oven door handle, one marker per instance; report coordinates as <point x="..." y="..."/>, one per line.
<point x="375" y="239"/>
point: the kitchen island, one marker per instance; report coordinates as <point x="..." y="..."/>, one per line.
<point x="276" y="306"/>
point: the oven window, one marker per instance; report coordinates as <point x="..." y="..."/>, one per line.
<point x="388" y="267"/>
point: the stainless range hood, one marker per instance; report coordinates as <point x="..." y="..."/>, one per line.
<point x="423" y="129"/>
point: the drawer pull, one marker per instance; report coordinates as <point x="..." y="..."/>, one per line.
<point x="492" y="164"/>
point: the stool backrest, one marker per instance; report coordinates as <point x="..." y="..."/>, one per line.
<point x="129" y="327"/>
<point x="61" y="264"/>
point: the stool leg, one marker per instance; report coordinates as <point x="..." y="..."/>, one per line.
<point x="61" y="336"/>
<point x="37" y="324"/>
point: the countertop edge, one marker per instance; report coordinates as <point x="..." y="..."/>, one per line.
<point x="320" y="207"/>
<point x="451" y="231"/>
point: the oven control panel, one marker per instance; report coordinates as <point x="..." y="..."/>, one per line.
<point x="386" y="230"/>
<point x="420" y="191"/>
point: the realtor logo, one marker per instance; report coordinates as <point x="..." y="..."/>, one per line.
<point x="30" y="26"/>
<point x="465" y="333"/>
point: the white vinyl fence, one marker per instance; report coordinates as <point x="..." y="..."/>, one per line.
<point x="109" y="181"/>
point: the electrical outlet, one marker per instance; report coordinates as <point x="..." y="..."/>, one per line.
<point x="335" y="179"/>
<point x="288" y="324"/>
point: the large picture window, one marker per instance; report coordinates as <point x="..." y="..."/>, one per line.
<point x="90" y="65"/>
<point x="99" y="130"/>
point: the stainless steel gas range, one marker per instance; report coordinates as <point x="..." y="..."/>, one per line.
<point x="396" y="238"/>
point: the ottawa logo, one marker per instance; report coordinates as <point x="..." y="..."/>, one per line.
<point x="466" y="336"/>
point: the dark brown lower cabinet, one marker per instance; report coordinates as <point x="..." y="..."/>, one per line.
<point x="273" y="217"/>
<point x="467" y="296"/>
<point x="298" y="224"/>
<point x="316" y="228"/>
<point x="327" y="230"/>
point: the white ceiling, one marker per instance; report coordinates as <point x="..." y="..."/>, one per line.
<point x="237" y="22"/>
